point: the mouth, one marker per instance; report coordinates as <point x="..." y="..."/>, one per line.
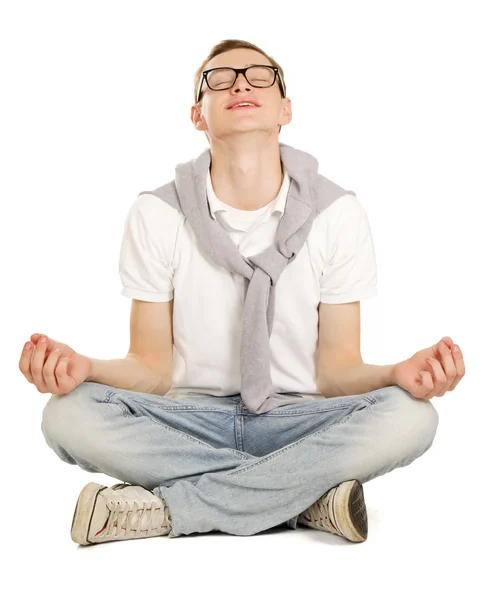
<point x="244" y="103"/>
<point x="243" y="107"/>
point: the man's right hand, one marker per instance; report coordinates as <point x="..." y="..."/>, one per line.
<point x="54" y="367"/>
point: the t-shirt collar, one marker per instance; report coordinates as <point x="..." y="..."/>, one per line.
<point x="215" y="204"/>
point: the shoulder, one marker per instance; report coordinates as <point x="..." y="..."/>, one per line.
<point x="345" y="209"/>
<point x="152" y="205"/>
<point x="157" y="219"/>
<point x="150" y="220"/>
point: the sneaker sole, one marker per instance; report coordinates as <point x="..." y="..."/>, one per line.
<point x="84" y="509"/>
<point x="350" y="511"/>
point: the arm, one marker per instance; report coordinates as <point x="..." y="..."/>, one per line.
<point x="340" y="368"/>
<point x="358" y="379"/>
<point x="133" y="373"/>
<point x="148" y="366"/>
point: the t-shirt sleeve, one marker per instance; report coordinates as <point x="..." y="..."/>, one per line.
<point x="350" y="271"/>
<point x="145" y="256"/>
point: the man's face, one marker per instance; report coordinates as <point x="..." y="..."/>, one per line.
<point x="213" y="115"/>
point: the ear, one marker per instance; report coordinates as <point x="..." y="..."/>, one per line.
<point x="196" y="117"/>
<point x="286" y="111"/>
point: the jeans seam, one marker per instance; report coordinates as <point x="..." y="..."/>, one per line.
<point x="298" y="442"/>
<point x="184" y="408"/>
<point x="289" y="413"/>
<point x="298" y="412"/>
<point x="371" y="398"/>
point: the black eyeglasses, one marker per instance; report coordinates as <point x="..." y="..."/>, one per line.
<point x="222" y="78"/>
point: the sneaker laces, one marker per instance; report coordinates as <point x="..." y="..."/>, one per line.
<point x="133" y="515"/>
<point x="321" y="512"/>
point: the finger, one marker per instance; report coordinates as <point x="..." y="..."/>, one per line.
<point x="24" y="362"/>
<point x="427" y="384"/>
<point x="446" y="340"/>
<point x="448" y="365"/>
<point x="63" y="379"/>
<point x="459" y="364"/>
<point x="37" y="365"/>
<point x="48" y="371"/>
<point x="50" y="342"/>
<point x="439" y="376"/>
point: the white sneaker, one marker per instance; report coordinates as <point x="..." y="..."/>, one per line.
<point x="120" y="512"/>
<point x="341" y="510"/>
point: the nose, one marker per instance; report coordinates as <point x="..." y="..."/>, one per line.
<point x="238" y="84"/>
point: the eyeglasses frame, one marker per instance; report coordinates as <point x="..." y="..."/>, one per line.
<point x="237" y="71"/>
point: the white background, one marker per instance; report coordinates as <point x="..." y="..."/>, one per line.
<point x="95" y="107"/>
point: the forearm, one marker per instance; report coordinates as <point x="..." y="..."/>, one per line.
<point x="130" y="373"/>
<point x="355" y="379"/>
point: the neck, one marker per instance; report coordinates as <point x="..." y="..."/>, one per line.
<point x="247" y="176"/>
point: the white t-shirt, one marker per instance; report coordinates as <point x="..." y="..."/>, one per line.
<point x="160" y="259"/>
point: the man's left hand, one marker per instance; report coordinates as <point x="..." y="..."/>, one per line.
<point x="432" y="371"/>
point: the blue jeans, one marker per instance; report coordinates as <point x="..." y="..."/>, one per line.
<point x="220" y="467"/>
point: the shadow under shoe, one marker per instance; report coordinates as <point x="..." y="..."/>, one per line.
<point x="120" y="512"/>
<point x="341" y="510"/>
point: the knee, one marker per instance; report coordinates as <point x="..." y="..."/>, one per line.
<point x="63" y="415"/>
<point x="421" y="416"/>
<point x="408" y="425"/>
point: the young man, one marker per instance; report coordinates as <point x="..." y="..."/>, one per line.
<point x="243" y="402"/>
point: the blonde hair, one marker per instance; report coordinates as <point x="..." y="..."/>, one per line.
<point x="226" y="45"/>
